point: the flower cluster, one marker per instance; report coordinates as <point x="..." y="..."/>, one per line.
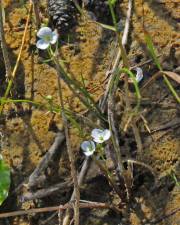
<point x="99" y="136"/>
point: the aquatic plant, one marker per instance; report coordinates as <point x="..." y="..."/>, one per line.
<point x="100" y="136"/>
<point x="88" y="147"/>
<point x="47" y="37"/>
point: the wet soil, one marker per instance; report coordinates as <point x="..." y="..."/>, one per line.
<point x="27" y="133"/>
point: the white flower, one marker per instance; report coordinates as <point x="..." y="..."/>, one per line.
<point x="1" y="157"/>
<point x="139" y="74"/>
<point x="49" y="97"/>
<point x="47" y="37"/>
<point x="88" y="147"/>
<point x="100" y="136"/>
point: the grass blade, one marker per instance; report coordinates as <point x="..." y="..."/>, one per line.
<point x="152" y="49"/>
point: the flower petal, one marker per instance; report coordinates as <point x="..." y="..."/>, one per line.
<point x="139" y="74"/>
<point x="41" y="44"/>
<point x="100" y="136"/>
<point x="44" y="31"/>
<point x="88" y="153"/>
<point x="54" y="37"/>
<point x="106" y="134"/>
<point x="98" y="140"/>
<point x="96" y="133"/>
<point x="88" y="147"/>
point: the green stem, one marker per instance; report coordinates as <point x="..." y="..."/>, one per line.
<point x="171" y="88"/>
<point x="123" y="51"/>
<point x="75" y="86"/>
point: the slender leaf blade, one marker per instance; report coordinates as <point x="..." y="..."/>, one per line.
<point x="152" y="50"/>
<point x="4" y="181"/>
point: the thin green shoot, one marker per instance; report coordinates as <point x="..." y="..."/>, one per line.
<point x="50" y="107"/>
<point x="119" y="36"/>
<point x="135" y="83"/>
<point x="113" y="2"/>
<point x="75" y="86"/>
<point x="151" y="49"/>
<point x="108" y="27"/>
<point x="115" y="82"/>
<point x="174" y="177"/>
<point x="75" y="123"/>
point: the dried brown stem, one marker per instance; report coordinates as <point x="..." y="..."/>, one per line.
<point x="90" y="205"/>
<point x="18" y="58"/>
<point x="109" y="178"/>
<point x="118" y="56"/>
<point x="71" y="157"/>
<point x="46" y="159"/>
<point x="46" y="191"/>
<point x="81" y="177"/>
<point x="36" y="12"/>
<point x="137" y="138"/>
<point x="157" y="221"/>
<point x="4" y="46"/>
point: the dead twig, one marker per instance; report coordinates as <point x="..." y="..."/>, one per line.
<point x="46" y="191"/>
<point x="137" y="138"/>
<point x="90" y="205"/>
<point x="81" y="177"/>
<point x="4" y="46"/>
<point x="174" y="123"/>
<point x="133" y="161"/>
<point x="46" y="159"/>
<point x="36" y="12"/>
<point x="144" y="63"/>
<point x="49" y="218"/>
<point x="121" y="173"/>
<point x="166" y="216"/>
<point x="71" y="156"/>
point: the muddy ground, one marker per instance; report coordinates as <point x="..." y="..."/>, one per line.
<point x="27" y="131"/>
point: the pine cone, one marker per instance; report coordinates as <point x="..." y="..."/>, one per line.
<point x="62" y="14"/>
<point x="101" y="10"/>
